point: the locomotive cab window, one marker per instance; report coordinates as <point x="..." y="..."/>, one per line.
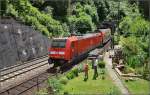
<point x="58" y="43"/>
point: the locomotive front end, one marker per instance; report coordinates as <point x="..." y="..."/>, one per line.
<point x="57" y="51"/>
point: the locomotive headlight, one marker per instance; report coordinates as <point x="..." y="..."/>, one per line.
<point x="61" y="53"/>
<point x="52" y="52"/>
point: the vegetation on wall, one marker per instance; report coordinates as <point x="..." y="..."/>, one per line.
<point x="43" y="22"/>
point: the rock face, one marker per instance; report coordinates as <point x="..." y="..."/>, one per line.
<point x="20" y="43"/>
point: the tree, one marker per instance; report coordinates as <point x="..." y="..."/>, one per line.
<point x="3" y="7"/>
<point x="43" y="22"/>
<point x="82" y="19"/>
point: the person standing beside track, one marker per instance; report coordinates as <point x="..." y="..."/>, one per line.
<point x="86" y="68"/>
<point x="95" y="69"/>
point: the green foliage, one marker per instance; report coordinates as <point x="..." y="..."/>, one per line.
<point x="42" y="91"/>
<point x="83" y="18"/>
<point x="119" y="9"/>
<point x="130" y="25"/>
<point x="114" y="91"/>
<point x="63" y="81"/>
<point x="60" y="7"/>
<point x="135" y="41"/>
<point x="11" y="11"/>
<point x="138" y="86"/>
<point x="139" y="70"/>
<point x="48" y="10"/>
<point x="102" y="8"/>
<point x="54" y="84"/>
<point x="38" y="3"/>
<point x="101" y="64"/>
<point x="128" y="69"/>
<point x="70" y="75"/>
<point x="73" y="73"/>
<point x="3" y="7"/>
<point x="134" y="30"/>
<point x="116" y="39"/>
<point x="135" y="55"/>
<point x="23" y="10"/>
<point x="92" y="11"/>
<point x="130" y="45"/>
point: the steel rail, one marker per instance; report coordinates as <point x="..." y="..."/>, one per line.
<point x="20" y="67"/>
<point x="7" y="78"/>
<point x="14" y="66"/>
<point x="39" y="77"/>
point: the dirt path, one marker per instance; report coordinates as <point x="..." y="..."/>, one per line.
<point x="114" y="76"/>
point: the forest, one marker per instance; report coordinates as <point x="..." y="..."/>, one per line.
<point x="62" y="17"/>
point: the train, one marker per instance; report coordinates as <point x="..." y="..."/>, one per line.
<point x="71" y="49"/>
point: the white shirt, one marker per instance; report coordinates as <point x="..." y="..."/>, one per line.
<point x="96" y="62"/>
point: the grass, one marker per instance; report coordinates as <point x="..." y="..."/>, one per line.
<point x="138" y="87"/>
<point x="42" y="91"/>
<point x="99" y="86"/>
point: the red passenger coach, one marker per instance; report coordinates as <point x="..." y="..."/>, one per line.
<point x="71" y="49"/>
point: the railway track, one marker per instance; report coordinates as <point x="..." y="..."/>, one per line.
<point x="12" y="77"/>
<point x="17" y="67"/>
<point x="26" y="87"/>
<point x="20" y="69"/>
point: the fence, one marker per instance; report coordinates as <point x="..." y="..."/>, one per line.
<point x="20" y="43"/>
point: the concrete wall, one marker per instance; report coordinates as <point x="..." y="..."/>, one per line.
<point x="20" y="43"/>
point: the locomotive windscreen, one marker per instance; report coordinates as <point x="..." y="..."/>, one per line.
<point x="58" y="43"/>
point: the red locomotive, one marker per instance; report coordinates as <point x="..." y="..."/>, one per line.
<point x="73" y="48"/>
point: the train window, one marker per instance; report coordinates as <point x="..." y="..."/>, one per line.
<point x="59" y="43"/>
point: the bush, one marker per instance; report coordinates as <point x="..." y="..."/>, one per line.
<point x="101" y="64"/>
<point x="63" y="81"/>
<point x="54" y="84"/>
<point x="70" y="75"/>
<point x="73" y="73"/>
<point x="134" y="40"/>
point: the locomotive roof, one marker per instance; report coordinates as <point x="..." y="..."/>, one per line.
<point x="104" y="30"/>
<point x="63" y="38"/>
<point x="87" y="35"/>
<point x="73" y="38"/>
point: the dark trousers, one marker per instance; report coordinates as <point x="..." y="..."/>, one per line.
<point x="95" y="72"/>
<point x="86" y="75"/>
